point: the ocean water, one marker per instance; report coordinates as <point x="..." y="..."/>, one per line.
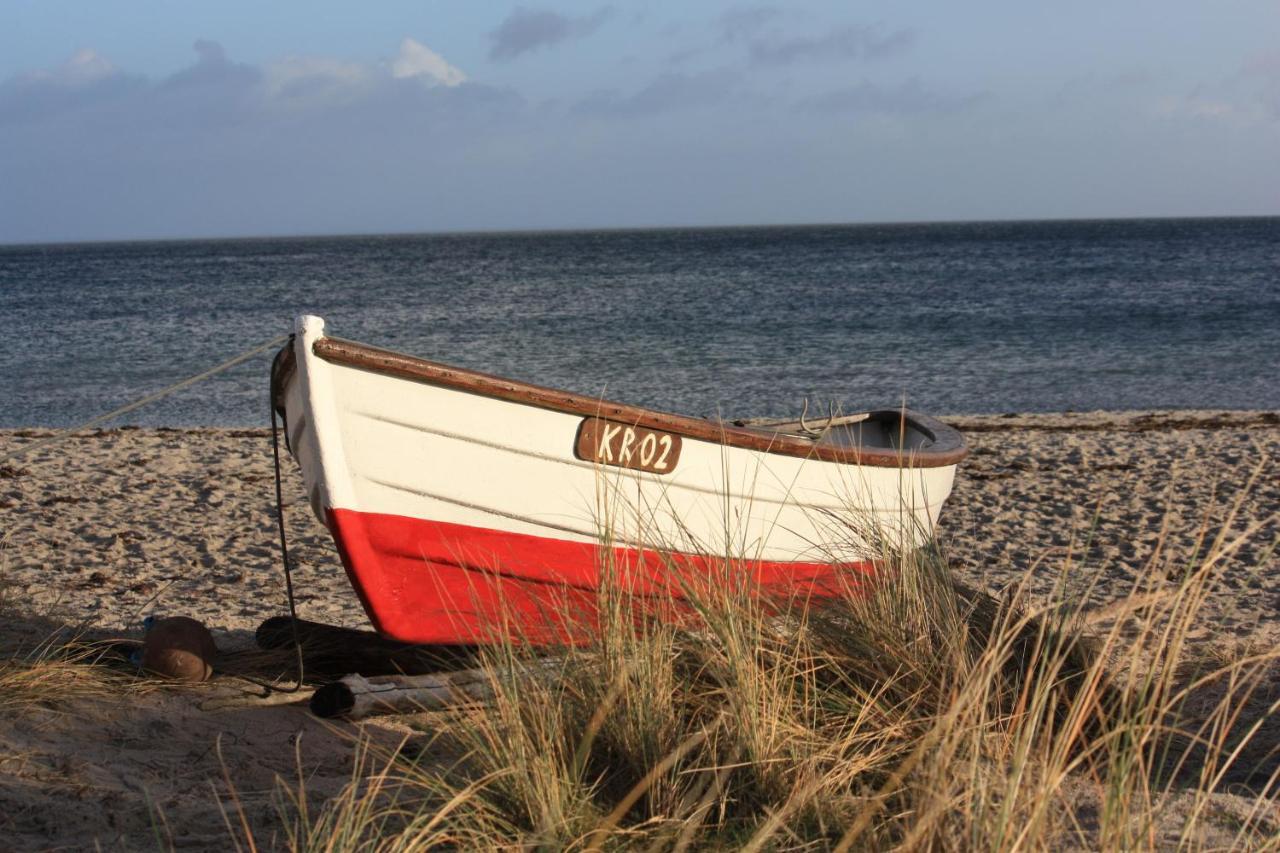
<point x="972" y="317"/>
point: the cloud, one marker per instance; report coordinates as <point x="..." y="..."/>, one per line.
<point x="210" y="52"/>
<point x="213" y="69"/>
<point x="214" y="90"/>
<point x="315" y="79"/>
<point x="1248" y="98"/>
<point x="85" y="81"/>
<point x="526" y="30"/>
<point x="852" y="42"/>
<point x="910" y="97"/>
<point x="221" y="146"/>
<point x="669" y="91"/>
<point x="420" y="62"/>
<point x="85" y="66"/>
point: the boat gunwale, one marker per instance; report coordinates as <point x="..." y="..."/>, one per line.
<point x="947" y="448"/>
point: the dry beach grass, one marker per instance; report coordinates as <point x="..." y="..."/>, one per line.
<point x="910" y="720"/>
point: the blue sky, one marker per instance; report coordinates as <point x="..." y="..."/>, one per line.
<point x="144" y="119"/>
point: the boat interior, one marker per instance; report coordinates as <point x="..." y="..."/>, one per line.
<point x="888" y="429"/>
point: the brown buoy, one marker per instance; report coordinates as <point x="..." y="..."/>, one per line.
<point x="179" y="647"/>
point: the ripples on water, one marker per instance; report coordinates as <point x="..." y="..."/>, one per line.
<point x="955" y="318"/>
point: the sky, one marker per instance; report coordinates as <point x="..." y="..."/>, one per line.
<point x="147" y="119"/>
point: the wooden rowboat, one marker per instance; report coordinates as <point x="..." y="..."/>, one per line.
<point x="467" y="507"/>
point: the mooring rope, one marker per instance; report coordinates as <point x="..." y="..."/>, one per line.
<point x="284" y="544"/>
<point x="150" y="398"/>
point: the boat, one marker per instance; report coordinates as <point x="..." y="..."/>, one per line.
<point x="469" y="508"/>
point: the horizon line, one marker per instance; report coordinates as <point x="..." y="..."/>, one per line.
<point x="463" y="232"/>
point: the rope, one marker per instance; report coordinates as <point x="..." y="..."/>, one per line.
<point x="284" y="546"/>
<point x="268" y="686"/>
<point x="150" y="398"/>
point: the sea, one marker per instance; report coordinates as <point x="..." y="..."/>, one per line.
<point x="982" y="317"/>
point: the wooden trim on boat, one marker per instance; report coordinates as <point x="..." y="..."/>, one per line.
<point x="947" y="447"/>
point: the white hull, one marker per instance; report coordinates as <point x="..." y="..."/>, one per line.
<point x="375" y="443"/>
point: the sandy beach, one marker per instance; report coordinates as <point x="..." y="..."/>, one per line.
<point x="108" y="527"/>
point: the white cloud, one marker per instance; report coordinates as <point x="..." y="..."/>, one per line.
<point x="419" y="62"/>
<point x="215" y="91"/>
<point x="85" y="66"/>
<point x="315" y="78"/>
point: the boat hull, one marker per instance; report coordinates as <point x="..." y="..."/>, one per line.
<point x="439" y="583"/>
<point x="469" y="515"/>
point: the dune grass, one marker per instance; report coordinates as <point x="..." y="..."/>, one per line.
<point x="46" y="664"/>
<point x="912" y="713"/>
<point x="51" y="675"/>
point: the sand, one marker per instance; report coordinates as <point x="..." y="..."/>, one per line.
<point x="113" y="525"/>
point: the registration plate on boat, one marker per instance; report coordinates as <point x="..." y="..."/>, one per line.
<point x="612" y="443"/>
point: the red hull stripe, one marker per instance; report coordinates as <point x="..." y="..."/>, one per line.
<point x="435" y="582"/>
